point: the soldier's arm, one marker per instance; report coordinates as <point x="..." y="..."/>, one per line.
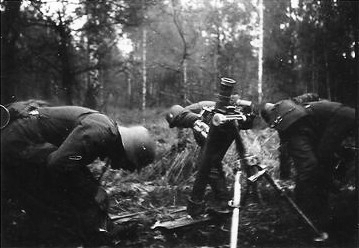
<point x="178" y="116"/>
<point x="81" y="147"/>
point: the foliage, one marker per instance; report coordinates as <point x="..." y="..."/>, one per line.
<point x="311" y="49"/>
<point x="69" y="51"/>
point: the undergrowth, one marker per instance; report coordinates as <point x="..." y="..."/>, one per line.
<point x="168" y="180"/>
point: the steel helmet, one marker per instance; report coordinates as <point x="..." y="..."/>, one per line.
<point x="307" y="97"/>
<point x="172" y="113"/>
<point x="139" y="146"/>
<point x="282" y="114"/>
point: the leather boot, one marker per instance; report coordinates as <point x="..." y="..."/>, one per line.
<point x="195" y="208"/>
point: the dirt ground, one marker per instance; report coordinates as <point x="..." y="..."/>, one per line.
<point x="269" y="223"/>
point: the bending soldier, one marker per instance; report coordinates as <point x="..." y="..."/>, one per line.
<point x="189" y="117"/>
<point x="285" y="161"/>
<point x="213" y="149"/>
<point x="45" y="153"/>
<point x="314" y="131"/>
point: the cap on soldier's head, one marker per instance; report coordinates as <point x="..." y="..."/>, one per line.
<point x="139" y="146"/>
<point x="172" y="112"/>
<point x="282" y="114"/>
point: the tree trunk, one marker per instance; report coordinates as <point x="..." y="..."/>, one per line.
<point x="260" y="52"/>
<point x="67" y="79"/>
<point x="144" y="69"/>
<point x="313" y="78"/>
<point x="185" y="82"/>
<point x="129" y="90"/>
<point x="327" y="76"/>
<point x="10" y="35"/>
<point x="215" y="62"/>
<point x="129" y="86"/>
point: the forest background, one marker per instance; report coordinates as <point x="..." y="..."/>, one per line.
<point x="155" y="53"/>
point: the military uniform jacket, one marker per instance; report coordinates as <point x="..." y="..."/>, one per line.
<point x="190" y="114"/>
<point x="75" y="136"/>
<point x="332" y="122"/>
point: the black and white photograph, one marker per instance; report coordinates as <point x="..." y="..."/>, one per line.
<point x="179" y="123"/>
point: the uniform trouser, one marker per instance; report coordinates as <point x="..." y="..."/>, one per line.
<point x="217" y="182"/>
<point x="337" y="129"/>
<point x="285" y="161"/>
<point x="81" y="191"/>
<point x="218" y="141"/>
<point x="58" y="214"/>
<point x="311" y="191"/>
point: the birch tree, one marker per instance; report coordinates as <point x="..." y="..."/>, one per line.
<point x="260" y="51"/>
<point x="184" y="57"/>
<point x="144" y="68"/>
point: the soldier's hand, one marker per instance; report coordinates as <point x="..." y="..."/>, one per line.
<point x="101" y="198"/>
<point x="201" y="128"/>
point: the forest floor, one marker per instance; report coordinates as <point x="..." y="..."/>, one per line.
<point x="268" y="223"/>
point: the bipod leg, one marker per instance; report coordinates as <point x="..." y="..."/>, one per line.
<point x="252" y="186"/>
<point x="236" y="205"/>
<point x="251" y="189"/>
<point x="321" y="236"/>
<point x="248" y="168"/>
<point x="241" y="150"/>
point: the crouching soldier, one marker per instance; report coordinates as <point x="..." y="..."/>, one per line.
<point x="45" y="153"/>
<point x="314" y="131"/>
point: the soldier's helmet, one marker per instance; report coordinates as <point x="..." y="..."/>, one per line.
<point x="139" y="146"/>
<point x="172" y="113"/>
<point x="307" y="97"/>
<point x="282" y="114"/>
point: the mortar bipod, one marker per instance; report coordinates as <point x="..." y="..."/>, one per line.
<point x="321" y="236"/>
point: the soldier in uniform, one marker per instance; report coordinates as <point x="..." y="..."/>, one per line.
<point x="45" y="153"/>
<point x="314" y="131"/>
<point x="285" y="161"/>
<point x="213" y="149"/>
<point x="189" y="117"/>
